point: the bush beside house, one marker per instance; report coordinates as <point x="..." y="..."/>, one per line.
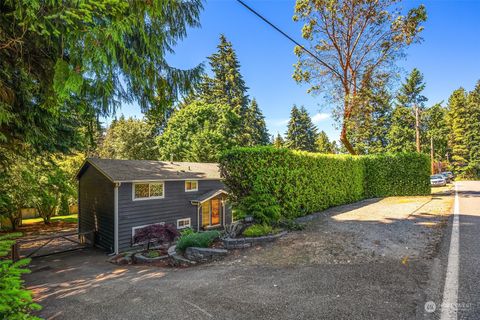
<point x="290" y="183"/>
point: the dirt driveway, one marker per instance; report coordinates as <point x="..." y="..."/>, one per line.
<point x="369" y="260"/>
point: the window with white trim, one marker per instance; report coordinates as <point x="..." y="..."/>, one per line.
<point x="151" y="190"/>
<point x="184" y="223"/>
<point x="191" y="185"/>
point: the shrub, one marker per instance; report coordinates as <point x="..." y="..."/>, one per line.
<point x="200" y="239"/>
<point x="186" y="231"/>
<point x="271" y="183"/>
<point x="15" y="301"/>
<point x="152" y="254"/>
<point x="291" y="225"/>
<point x="298" y="182"/>
<point x="164" y="233"/>
<point x="258" y="230"/>
<point x="397" y="174"/>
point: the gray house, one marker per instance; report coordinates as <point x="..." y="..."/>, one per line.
<point x="117" y="197"/>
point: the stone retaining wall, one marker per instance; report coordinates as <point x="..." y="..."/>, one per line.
<point x="237" y="243"/>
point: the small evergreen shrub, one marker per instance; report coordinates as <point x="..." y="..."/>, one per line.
<point x="199" y="239"/>
<point x="15" y="301"/>
<point x="258" y="230"/>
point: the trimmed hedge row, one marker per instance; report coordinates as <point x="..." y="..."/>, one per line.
<point x="273" y="183"/>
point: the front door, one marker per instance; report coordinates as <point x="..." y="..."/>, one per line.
<point x="215" y="211"/>
<point x="211" y="211"/>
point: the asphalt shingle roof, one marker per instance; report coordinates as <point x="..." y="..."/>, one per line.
<point x="144" y="170"/>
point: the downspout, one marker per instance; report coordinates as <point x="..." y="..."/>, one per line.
<point x="115" y="209"/>
<point x="198" y="217"/>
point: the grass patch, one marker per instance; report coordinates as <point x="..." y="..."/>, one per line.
<point x="72" y="218"/>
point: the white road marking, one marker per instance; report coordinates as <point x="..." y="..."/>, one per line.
<point x="450" y="291"/>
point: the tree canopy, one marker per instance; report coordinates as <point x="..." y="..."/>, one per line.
<point x="198" y="132"/>
<point x="353" y="43"/>
<point x="130" y="139"/>
<point x="64" y="64"/>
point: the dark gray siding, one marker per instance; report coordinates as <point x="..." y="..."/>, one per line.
<point x="175" y="205"/>
<point x="96" y="207"/>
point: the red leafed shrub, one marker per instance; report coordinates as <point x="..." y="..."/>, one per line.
<point x="163" y="233"/>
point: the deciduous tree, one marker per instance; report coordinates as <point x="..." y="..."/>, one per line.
<point x="131" y="139"/>
<point x="353" y="42"/>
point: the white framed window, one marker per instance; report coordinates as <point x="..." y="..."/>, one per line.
<point x="148" y="190"/>
<point x="134" y="229"/>
<point x="191" y="185"/>
<point x="184" y="223"/>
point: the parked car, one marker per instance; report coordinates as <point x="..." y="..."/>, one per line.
<point x="446" y="176"/>
<point x="437" y="180"/>
<point x="451" y="175"/>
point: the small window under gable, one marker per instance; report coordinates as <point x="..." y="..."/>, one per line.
<point x="191" y="185"/>
<point x="150" y="190"/>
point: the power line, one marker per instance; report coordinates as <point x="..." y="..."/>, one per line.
<point x="287" y="36"/>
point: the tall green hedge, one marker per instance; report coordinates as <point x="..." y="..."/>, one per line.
<point x="397" y="174"/>
<point x="276" y="183"/>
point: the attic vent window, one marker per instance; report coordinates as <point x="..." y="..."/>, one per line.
<point x="144" y="191"/>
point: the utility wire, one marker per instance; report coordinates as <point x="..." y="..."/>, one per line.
<point x="287" y="36"/>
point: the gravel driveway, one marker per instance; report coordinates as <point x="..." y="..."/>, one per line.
<point x="369" y="260"/>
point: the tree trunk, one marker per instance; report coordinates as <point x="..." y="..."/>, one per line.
<point x="417" y="128"/>
<point x="344" y="139"/>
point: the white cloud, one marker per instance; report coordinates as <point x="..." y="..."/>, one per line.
<point x="320" y="117"/>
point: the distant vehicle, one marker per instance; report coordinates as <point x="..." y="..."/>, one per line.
<point x="450" y="174"/>
<point x="446" y="176"/>
<point x="437" y="180"/>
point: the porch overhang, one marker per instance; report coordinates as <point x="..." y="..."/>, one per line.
<point x="207" y="196"/>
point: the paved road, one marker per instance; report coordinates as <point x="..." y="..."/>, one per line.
<point x="469" y="262"/>
<point x="458" y="269"/>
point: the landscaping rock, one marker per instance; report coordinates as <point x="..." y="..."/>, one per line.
<point x="204" y="254"/>
<point x="238" y="243"/>
<point x="140" y="258"/>
<point x="177" y="259"/>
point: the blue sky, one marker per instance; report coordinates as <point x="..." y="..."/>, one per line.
<point x="449" y="57"/>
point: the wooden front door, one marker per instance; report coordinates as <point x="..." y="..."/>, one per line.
<point x="215" y="203"/>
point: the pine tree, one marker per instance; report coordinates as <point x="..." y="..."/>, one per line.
<point x="323" y="144"/>
<point x="254" y="127"/>
<point x="457" y="119"/>
<point x="301" y="132"/>
<point x="437" y="131"/>
<point x="410" y="96"/>
<point x="227" y="85"/>
<point x="278" y="141"/>
<point x="473" y="132"/>
<point x="401" y="135"/>
<point x="369" y="126"/>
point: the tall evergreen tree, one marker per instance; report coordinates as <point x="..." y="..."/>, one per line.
<point x="323" y="144"/>
<point x="278" y="141"/>
<point x="464" y="121"/>
<point x="255" y="129"/>
<point x="369" y="126"/>
<point x="457" y="119"/>
<point x="410" y="96"/>
<point x="227" y="86"/>
<point x="437" y="131"/>
<point x="301" y="132"/>
<point x="401" y="135"/>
